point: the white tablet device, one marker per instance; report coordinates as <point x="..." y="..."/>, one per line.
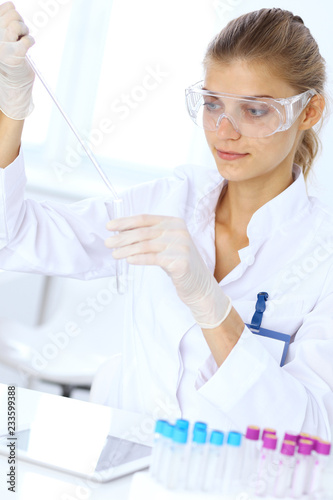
<point x="110" y="459"/>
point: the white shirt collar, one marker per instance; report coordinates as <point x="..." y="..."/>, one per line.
<point x="280" y="210"/>
<point x="268" y="218"/>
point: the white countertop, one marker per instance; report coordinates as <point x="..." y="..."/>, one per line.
<point x="75" y="422"/>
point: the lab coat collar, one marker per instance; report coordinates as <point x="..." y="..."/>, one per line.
<point x="272" y="216"/>
<point x="280" y="211"/>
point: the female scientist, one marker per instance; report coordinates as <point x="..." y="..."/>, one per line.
<point x="208" y="247"/>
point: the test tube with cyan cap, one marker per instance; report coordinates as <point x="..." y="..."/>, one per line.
<point x="196" y="457"/>
<point x="231" y="474"/>
<point x="165" y="457"/>
<point x="175" y="476"/>
<point x="214" y="461"/>
<point x="158" y="447"/>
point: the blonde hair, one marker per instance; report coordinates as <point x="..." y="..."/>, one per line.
<point x="277" y="36"/>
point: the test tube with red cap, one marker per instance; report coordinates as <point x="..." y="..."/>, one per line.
<point x="291" y="436"/>
<point x="302" y="468"/>
<point x="267" y="431"/>
<point x="322" y="449"/>
<point x="266" y="458"/>
<point x="250" y="453"/>
<point x="285" y="469"/>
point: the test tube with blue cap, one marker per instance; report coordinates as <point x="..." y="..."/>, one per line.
<point x="158" y="447"/>
<point x="213" y="463"/>
<point x="231" y="473"/>
<point x="117" y="202"/>
<point x="176" y="472"/>
<point x="166" y="453"/>
<point x="196" y="457"/>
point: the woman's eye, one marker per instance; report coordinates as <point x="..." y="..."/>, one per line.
<point x="257" y="112"/>
<point x="211" y="106"/>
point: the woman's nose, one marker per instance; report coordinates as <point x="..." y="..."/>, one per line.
<point x="226" y="127"/>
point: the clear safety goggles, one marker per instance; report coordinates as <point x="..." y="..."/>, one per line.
<point x="250" y="116"/>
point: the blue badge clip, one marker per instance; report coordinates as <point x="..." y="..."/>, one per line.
<point x="256" y="328"/>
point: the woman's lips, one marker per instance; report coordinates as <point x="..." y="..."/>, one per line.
<point x="230" y="155"/>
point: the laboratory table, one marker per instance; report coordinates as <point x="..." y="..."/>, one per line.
<point x="58" y="419"/>
<point x="79" y="420"/>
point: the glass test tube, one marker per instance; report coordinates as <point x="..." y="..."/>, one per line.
<point x="291" y="436"/>
<point x="196" y="457"/>
<point x="321" y="460"/>
<point x="302" y="468"/>
<point x="165" y="457"/>
<point x="285" y="469"/>
<point x="250" y="454"/>
<point x="213" y="464"/>
<point x="266" y="459"/>
<point x="231" y="473"/>
<point x="175" y="475"/>
<point x="267" y="431"/>
<point x="121" y="266"/>
<point x="157" y="448"/>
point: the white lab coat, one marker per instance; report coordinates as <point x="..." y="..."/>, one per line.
<point x="166" y="368"/>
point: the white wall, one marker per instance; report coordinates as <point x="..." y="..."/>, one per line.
<point x="157" y="135"/>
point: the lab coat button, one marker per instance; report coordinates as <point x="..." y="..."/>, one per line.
<point x="250" y="260"/>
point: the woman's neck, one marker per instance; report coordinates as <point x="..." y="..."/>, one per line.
<point x="240" y="200"/>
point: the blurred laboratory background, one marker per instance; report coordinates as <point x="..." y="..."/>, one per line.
<point x="119" y="68"/>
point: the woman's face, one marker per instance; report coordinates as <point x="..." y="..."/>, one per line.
<point x="263" y="157"/>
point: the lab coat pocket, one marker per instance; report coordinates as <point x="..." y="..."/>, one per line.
<point x="282" y="314"/>
<point x="286" y="314"/>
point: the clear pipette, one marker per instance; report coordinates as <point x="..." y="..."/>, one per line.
<point x="118" y="207"/>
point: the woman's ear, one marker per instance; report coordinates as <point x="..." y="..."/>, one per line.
<point x="312" y="113"/>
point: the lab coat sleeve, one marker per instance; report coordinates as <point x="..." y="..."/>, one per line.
<point x="51" y="238"/>
<point x="68" y="239"/>
<point x="250" y="387"/>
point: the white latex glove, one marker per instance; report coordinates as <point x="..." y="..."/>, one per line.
<point x="16" y="74"/>
<point x="165" y="242"/>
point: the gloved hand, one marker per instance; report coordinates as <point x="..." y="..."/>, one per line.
<point x="166" y="242"/>
<point x="16" y="74"/>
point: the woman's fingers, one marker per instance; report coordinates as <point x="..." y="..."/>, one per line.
<point x="134" y="222"/>
<point x="5" y="7"/>
<point x="9" y="15"/>
<point x="129" y="237"/>
<point x="141" y="248"/>
<point x="150" y="240"/>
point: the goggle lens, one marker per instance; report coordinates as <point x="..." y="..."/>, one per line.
<point x="251" y="117"/>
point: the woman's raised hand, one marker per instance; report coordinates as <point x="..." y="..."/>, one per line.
<point x="16" y="74"/>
